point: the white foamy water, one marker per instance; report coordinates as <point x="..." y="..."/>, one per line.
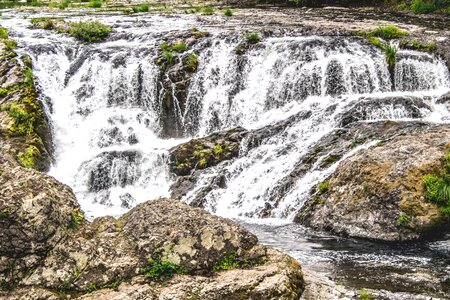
<point x="103" y="105"/>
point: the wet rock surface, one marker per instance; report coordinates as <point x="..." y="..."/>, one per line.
<point x="370" y="190"/>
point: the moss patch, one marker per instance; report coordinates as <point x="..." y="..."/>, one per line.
<point x="157" y="268"/>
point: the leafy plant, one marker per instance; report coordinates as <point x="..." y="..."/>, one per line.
<point x="252" y="37"/>
<point x="161" y="268"/>
<point x="391" y="54"/>
<point x="89" y="31"/>
<point x="402" y="219"/>
<point x="228" y="12"/>
<point x="437" y="187"/>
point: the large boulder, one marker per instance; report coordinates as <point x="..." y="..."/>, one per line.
<point x="378" y="193"/>
<point x="36" y="211"/>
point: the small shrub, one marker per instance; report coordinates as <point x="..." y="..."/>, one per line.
<point x="90" y="31"/>
<point x="3" y="92"/>
<point x="252" y="37"/>
<point x="403" y="219"/>
<point x="323" y="187"/>
<point x="94" y="4"/>
<point x="423" y="7"/>
<point x="389" y="32"/>
<point x="161" y="268"/>
<point x="208" y="10"/>
<point x="228" y="12"/>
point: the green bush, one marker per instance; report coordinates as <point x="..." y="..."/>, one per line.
<point x="252" y="37"/>
<point x="90" y="31"/>
<point x="161" y="268"/>
<point x="228" y="12"/>
<point x="423" y="7"/>
<point x="389" y="32"/>
<point x="94" y="4"/>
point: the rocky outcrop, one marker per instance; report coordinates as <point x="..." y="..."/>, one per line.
<point x="161" y="249"/>
<point x="36" y="212"/>
<point x="378" y="193"/>
<point x="24" y="130"/>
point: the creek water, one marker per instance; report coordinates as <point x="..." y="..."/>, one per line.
<point x="105" y="111"/>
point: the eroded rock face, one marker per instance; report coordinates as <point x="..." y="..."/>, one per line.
<point x="370" y="190"/>
<point x="36" y="211"/>
<point x="112" y="254"/>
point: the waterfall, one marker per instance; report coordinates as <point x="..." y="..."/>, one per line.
<point x="104" y="107"/>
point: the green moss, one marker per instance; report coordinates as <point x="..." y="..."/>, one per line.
<point x="423" y="7"/>
<point x="323" y="187"/>
<point x="218" y="149"/>
<point x="365" y="294"/>
<point x="389" y="32"/>
<point x="29" y="159"/>
<point x="3" y="33"/>
<point x="91" y="288"/>
<point x="202" y="163"/>
<point x="23" y="121"/>
<point x="437" y="187"/>
<point x="77" y="218"/>
<point x="419" y="46"/>
<point x="252" y="37"/>
<point x="64" y="4"/>
<point x="374" y="41"/>
<point x="114" y="284"/>
<point x="141" y="8"/>
<point x="10" y="44"/>
<point x="161" y="268"/>
<point x="329" y="160"/>
<point x="402" y="219"/>
<point x="28" y="75"/>
<point x="89" y="31"/>
<point x="228" y="12"/>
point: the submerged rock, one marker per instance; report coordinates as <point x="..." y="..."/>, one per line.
<point x="378" y="193"/>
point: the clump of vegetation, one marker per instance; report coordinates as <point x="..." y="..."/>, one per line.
<point x="29" y="158"/>
<point x="157" y="268"/>
<point x="4" y="214"/>
<point x="389" y="32"/>
<point x="402" y="219"/>
<point x="191" y="62"/>
<point x="89" y="31"/>
<point x="228" y="12"/>
<point x="64" y="4"/>
<point x="175" y="47"/>
<point x="365" y="294"/>
<point x="252" y="37"/>
<point x="23" y="121"/>
<point x="94" y="4"/>
<point x="425" y="7"/>
<point x="323" y="187"/>
<point x="208" y="10"/>
<point x="3" y="33"/>
<point x="76" y="219"/>
<point x="437" y="187"/>
<point x="391" y="55"/>
<point x="3" y="92"/>
<point x="374" y="41"/>
<point x="231" y="261"/>
<point x="417" y="45"/>
<point x="168" y="56"/>
<point x="141" y="8"/>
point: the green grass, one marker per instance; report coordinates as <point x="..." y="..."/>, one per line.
<point x="374" y="41"/>
<point x="365" y="294"/>
<point x="423" y="7"/>
<point x="437" y="186"/>
<point x="176" y="47"/>
<point x="76" y="219"/>
<point x="141" y="8"/>
<point x="389" y="32"/>
<point x="391" y="54"/>
<point x="252" y="37"/>
<point x="29" y="157"/>
<point x="89" y="31"/>
<point x="419" y="46"/>
<point x="191" y="62"/>
<point x="3" y="92"/>
<point x="228" y="12"/>
<point x="64" y="4"/>
<point x="208" y="10"/>
<point x="402" y="219"/>
<point x="3" y="33"/>
<point x="323" y="187"/>
<point x="10" y="44"/>
<point x="94" y="4"/>
<point x="161" y="268"/>
<point x="23" y="121"/>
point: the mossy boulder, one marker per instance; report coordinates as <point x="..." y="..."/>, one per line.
<point x="206" y="152"/>
<point x="378" y="193"/>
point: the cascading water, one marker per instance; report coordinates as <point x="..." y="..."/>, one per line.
<point x="105" y="109"/>
<point x="103" y="103"/>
